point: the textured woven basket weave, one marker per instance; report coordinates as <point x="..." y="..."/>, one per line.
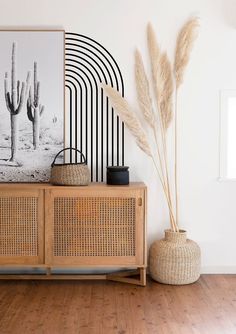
<point x="175" y="259"/>
<point x="70" y="174"/>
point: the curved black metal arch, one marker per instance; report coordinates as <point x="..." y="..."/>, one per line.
<point x="93" y="59"/>
<point x="102" y="67"/>
<point x="105" y="50"/>
<point x="102" y="116"/>
<point x="93" y="67"/>
<point x="112" y="109"/>
<point x="76" y="99"/>
<point x="86" y="116"/>
<point x="81" y="115"/>
<point x="76" y="116"/>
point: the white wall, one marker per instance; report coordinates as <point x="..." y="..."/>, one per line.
<point x="208" y="207"/>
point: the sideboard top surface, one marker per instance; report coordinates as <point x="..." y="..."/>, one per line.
<point x="34" y="186"/>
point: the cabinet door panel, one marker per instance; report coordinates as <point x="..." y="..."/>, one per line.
<point x="95" y="228"/>
<point x="21" y="227"/>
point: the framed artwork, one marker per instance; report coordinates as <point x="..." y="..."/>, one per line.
<point x="32" y="94"/>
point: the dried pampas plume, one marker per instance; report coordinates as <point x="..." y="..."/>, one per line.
<point x="184" y="46"/>
<point x="128" y="117"/>
<point x="153" y="47"/>
<point x="167" y="91"/>
<point x="155" y="56"/>
<point x="165" y="78"/>
<point x="143" y="92"/>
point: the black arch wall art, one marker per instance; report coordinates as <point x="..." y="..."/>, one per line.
<point x="91" y="124"/>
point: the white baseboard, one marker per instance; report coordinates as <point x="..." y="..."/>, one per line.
<point x="218" y="270"/>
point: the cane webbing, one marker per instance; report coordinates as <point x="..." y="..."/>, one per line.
<point x="94" y="226"/>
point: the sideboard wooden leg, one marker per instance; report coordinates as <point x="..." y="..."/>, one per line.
<point x="128" y="276"/>
<point x="143" y="276"/>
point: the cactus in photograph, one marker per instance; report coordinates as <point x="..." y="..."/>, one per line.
<point x="34" y="109"/>
<point x="14" y="101"/>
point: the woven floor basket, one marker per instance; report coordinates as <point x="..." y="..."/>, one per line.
<point x="71" y="174"/>
<point x="175" y="259"/>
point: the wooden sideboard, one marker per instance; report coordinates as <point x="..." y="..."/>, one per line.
<point x="59" y="228"/>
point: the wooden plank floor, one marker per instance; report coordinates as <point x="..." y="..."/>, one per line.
<point x="97" y="307"/>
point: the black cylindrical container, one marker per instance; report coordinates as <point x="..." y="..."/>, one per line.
<point x="118" y="175"/>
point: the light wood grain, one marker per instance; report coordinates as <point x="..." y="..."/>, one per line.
<point x="31" y="186"/>
<point x="94" y="226"/>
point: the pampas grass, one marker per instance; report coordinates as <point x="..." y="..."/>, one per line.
<point x="184" y="45"/>
<point x="143" y="92"/>
<point x="153" y="47"/>
<point x="126" y="114"/>
<point x="167" y="91"/>
<point x="145" y="105"/>
<point x="155" y="58"/>
<point x="163" y="89"/>
<point x="164" y="80"/>
<point x="129" y="118"/>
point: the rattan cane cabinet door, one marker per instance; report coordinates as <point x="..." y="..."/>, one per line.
<point x="21" y="226"/>
<point x="95" y="226"/>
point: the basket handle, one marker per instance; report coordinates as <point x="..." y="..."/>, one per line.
<point x="68" y="148"/>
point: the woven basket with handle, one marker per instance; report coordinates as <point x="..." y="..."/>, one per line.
<point x="70" y="174"/>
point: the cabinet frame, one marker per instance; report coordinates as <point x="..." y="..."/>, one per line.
<point x="45" y="260"/>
